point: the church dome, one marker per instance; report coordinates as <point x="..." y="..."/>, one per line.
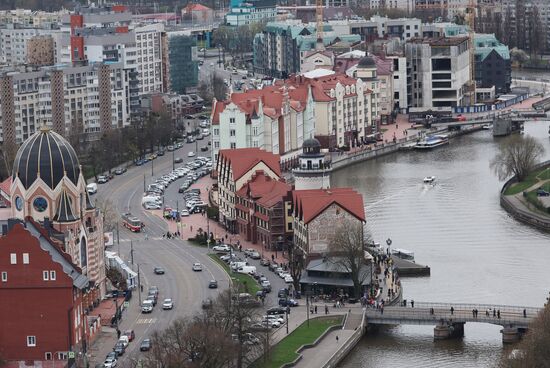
<point x="366" y="62"/>
<point x="47" y="155"/>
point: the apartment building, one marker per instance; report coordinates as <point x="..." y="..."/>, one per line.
<point x="88" y="99"/>
<point x="149" y="57"/>
<point x="276" y="119"/>
<point x="14" y="42"/>
<point x="438" y="72"/>
<point x="180" y="61"/>
<point x="244" y="13"/>
<point x="235" y="168"/>
<point x="31" y="18"/>
<point x="41" y="51"/>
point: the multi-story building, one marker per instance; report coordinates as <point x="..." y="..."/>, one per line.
<point x="235" y="168"/>
<point x="438" y="72"/>
<point x="40" y="51"/>
<point x="197" y="14"/>
<point x="260" y="211"/>
<point x="177" y="105"/>
<point x="276" y="119"/>
<point x="81" y="99"/>
<point x="281" y="49"/>
<point x="181" y="62"/>
<point x="317" y="214"/>
<point x="492" y="63"/>
<point x="149" y="57"/>
<point x="14" y="42"/>
<point x="244" y="13"/>
<point x="31" y="18"/>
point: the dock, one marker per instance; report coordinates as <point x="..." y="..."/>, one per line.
<point x="409" y="268"/>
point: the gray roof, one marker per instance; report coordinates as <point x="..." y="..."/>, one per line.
<point x="79" y="280"/>
<point x="64" y="210"/>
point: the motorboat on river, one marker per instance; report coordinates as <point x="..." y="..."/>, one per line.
<point x="403" y="254"/>
<point x="432" y="141"/>
<point x="429" y="180"/>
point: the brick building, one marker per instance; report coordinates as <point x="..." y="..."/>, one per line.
<point x="42" y="313"/>
<point x="261" y="211"/>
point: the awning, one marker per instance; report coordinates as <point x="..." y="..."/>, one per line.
<point x="310" y="280"/>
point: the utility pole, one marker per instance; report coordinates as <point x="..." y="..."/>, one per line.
<point x="132" y="251"/>
<point x="118" y="238"/>
<point x="152" y="165"/>
<point x="173" y="160"/>
<point x="139" y="286"/>
<point x="144" y="183"/>
<point x="196" y="140"/>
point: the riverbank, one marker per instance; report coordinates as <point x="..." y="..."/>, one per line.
<point x="516" y="198"/>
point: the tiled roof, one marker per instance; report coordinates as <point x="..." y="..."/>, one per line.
<point x="308" y="204"/>
<point x="243" y="160"/>
<point x="196" y="7"/>
<point x="266" y="191"/>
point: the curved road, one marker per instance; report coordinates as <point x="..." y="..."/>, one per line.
<point x="185" y="287"/>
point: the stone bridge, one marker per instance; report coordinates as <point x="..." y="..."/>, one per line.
<point x="514" y="319"/>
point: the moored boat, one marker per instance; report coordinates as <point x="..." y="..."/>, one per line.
<point x="432" y="141"/>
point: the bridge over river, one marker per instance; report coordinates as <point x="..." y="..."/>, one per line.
<point x="513" y="319"/>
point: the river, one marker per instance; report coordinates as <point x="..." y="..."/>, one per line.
<point x="477" y="253"/>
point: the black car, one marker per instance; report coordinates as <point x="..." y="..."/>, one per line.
<point x="283" y="302"/>
<point x="273" y="266"/>
<point x="145" y="345"/>
<point x="119" y="349"/>
<point x="203" y="117"/>
<point x="204" y="149"/>
<point x="213" y="284"/>
<point x="282" y="293"/>
<point x="160" y="153"/>
<point x="189" y="117"/>
<point x="542" y="193"/>
<point x="158" y="271"/>
<point x="276" y="311"/>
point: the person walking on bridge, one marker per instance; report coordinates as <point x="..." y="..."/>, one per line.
<point x="412" y="303"/>
<point x="452" y="310"/>
<point x="524" y="313"/>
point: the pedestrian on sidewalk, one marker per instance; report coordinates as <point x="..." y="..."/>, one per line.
<point x="315" y="309"/>
<point x="326" y="309"/>
<point x="412" y="303"/>
<point x="336" y="338"/>
<point x="498" y="314"/>
<point x="524" y="313"/>
<point x="452" y="310"/>
<point x="494" y="313"/>
<point x="473" y="313"/>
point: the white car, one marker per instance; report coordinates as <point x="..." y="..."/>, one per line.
<point x="167" y="304"/>
<point x="221" y="248"/>
<point x="152" y="206"/>
<point x="184" y="213"/>
<point x="146" y="306"/>
<point x="288" y="279"/>
<point x="197" y="267"/>
<point x="191" y="154"/>
<point x="109" y="363"/>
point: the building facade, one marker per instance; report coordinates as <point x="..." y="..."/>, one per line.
<point x="492" y="63"/>
<point x="182" y="63"/>
<point x="41" y="51"/>
<point x="235" y="168"/>
<point x="440" y="72"/>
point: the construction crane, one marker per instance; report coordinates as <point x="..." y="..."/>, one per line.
<point x="319" y="18"/>
<point x="471" y="20"/>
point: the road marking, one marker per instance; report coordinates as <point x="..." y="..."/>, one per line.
<point x="145" y="321"/>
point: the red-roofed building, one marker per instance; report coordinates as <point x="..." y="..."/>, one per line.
<point x="276" y="119"/>
<point x="235" y="168"/>
<point x="261" y="210"/>
<point x="197" y="13"/>
<point x="317" y="214"/>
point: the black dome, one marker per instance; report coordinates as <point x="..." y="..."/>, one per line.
<point x="311" y="145"/>
<point x="48" y="153"/>
<point x="367" y="62"/>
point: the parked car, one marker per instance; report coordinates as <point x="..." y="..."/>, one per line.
<point x="276" y="311"/>
<point x="264" y="262"/>
<point x="124" y="340"/>
<point x="110" y="363"/>
<point x="158" y="271"/>
<point x="542" y="193"/>
<point x="191" y="154"/>
<point x="288" y="302"/>
<point x="178" y="160"/>
<point x="152" y="206"/>
<point x="204" y="148"/>
<point x="145" y="345"/>
<point x="197" y="267"/>
<point x="147" y="306"/>
<point x="119" y="349"/>
<point x="102" y="179"/>
<point x="213" y="284"/>
<point x="221" y="248"/>
<point x="255" y="255"/>
<point x="130" y="334"/>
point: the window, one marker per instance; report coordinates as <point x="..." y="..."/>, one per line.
<point x="52" y="275"/>
<point x="232" y="132"/>
<point x="13" y="258"/>
<point x="25" y="258"/>
<point x="233" y="145"/>
<point x="231" y="120"/>
<point x="4" y="276"/>
<point x="45" y="275"/>
<point x="48" y="356"/>
<point x="31" y="340"/>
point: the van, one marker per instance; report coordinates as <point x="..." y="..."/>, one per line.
<point x="124" y="339"/>
<point x="237" y="265"/>
<point x="249" y="270"/>
<point x="91" y="188"/>
<point x="155" y="199"/>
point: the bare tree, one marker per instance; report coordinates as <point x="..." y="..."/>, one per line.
<point x="517" y="156"/>
<point x="116" y="278"/>
<point x="109" y="213"/>
<point x="533" y="350"/>
<point x="296" y="264"/>
<point x="346" y="250"/>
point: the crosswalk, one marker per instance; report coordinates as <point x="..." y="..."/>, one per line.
<point x="146" y="321"/>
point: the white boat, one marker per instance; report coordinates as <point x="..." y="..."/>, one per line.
<point x="403" y="254"/>
<point x="486" y="126"/>
<point x="429" y="179"/>
<point x="432" y="141"/>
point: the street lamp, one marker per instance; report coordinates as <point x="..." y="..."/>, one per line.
<point x="388" y="242"/>
<point x="279" y="244"/>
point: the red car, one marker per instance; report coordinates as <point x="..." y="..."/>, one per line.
<point x="130" y="334"/>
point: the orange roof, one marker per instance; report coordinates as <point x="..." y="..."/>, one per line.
<point x="5" y="185"/>
<point x="308" y="204"/>
<point x="196" y="7"/>
<point x="242" y="160"/>
<point x="266" y="191"/>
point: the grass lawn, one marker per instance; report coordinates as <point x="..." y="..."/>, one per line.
<point x="248" y="283"/>
<point x="531" y="180"/>
<point x="545" y="174"/>
<point x="285" y="350"/>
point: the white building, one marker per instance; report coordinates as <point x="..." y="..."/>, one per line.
<point x="245" y="15"/>
<point x="149" y="57"/>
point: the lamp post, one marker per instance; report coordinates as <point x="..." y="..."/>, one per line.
<point x="279" y="244"/>
<point x="388" y="242"/>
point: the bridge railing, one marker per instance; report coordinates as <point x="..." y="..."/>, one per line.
<point x="480" y="307"/>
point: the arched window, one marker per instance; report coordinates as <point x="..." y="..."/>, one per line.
<point x="83" y="253"/>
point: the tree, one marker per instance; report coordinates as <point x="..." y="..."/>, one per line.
<point x="296" y="264"/>
<point x="213" y="87"/>
<point x="346" y="249"/>
<point x="509" y="37"/>
<point x="110" y="214"/>
<point x="518" y="56"/>
<point x="116" y="278"/>
<point x="533" y="349"/>
<point x="536" y="37"/>
<point x="517" y="156"/>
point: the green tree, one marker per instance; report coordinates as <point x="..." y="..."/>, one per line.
<point x="517" y="156"/>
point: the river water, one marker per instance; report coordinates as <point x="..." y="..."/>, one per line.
<point x="477" y="253"/>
